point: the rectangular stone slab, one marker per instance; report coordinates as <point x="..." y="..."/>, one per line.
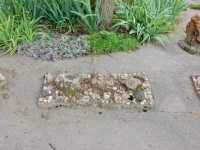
<point x="104" y="90"/>
<point x="196" y="83"/>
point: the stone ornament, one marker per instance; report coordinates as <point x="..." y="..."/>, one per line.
<point x="191" y="43"/>
<point x="193" y="30"/>
<point x="103" y="90"/>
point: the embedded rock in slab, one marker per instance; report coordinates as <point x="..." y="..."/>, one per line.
<point x="139" y="95"/>
<point x="48" y="78"/>
<point x="131" y="83"/>
<point x="117" y="98"/>
<point x="193" y="30"/>
<point x="103" y="81"/>
<point x="198" y="81"/>
<point x="3" y="81"/>
<point x="68" y="83"/>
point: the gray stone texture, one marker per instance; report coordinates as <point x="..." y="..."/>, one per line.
<point x="100" y="90"/>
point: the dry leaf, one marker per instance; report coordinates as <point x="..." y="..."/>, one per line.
<point x="165" y="111"/>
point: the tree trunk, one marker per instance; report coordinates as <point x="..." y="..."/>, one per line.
<point x="107" y="8"/>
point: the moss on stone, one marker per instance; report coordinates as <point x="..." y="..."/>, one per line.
<point x="71" y="92"/>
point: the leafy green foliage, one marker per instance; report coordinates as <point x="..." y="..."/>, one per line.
<point x="143" y="20"/>
<point x="9" y="35"/>
<point x="148" y="19"/>
<point x="15" y="7"/>
<point x="59" y="47"/>
<point x="194" y="6"/>
<point x="59" y="13"/>
<point x="89" y="20"/>
<point x="14" y="32"/>
<point x="105" y="42"/>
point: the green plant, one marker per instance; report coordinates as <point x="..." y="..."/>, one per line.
<point x="10" y="35"/>
<point x="15" y="7"/>
<point x="31" y="30"/>
<point x="14" y="32"/>
<point x="148" y="19"/>
<point x="59" y="13"/>
<point x="60" y="46"/>
<point x="194" y="6"/>
<point x="106" y="42"/>
<point x="71" y="92"/>
<point x="90" y="20"/>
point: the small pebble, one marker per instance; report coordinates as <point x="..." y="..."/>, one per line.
<point x="6" y="96"/>
<point x="45" y="115"/>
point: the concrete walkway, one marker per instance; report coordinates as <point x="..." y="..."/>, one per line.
<point x="174" y="123"/>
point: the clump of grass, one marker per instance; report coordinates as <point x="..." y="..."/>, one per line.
<point x="148" y="19"/>
<point x="194" y="6"/>
<point x="13" y="32"/>
<point x="108" y="42"/>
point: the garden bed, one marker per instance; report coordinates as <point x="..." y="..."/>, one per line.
<point x="30" y="22"/>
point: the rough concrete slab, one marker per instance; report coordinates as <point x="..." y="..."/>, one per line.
<point x="172" y="124"/>
<point x="103" y="90"/>
<point x="196" y="83"/>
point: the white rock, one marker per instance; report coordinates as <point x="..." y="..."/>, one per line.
<point x="107" y="101"/>
<point x="45" y="88"/>
<point x="145" y="85"/>
<point x="114" y="75"/>
<point x="49" y="99"/>
<point x="148" y="92"/>
<point x="40" y="100"/>
<point x="125" y="75"/>
<point x="106" y="96"/>
<point x="198" y="81"/>
<point x="48" y="78"/>
<point x="3" y="81"/>
<point x="66" y="99"/>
